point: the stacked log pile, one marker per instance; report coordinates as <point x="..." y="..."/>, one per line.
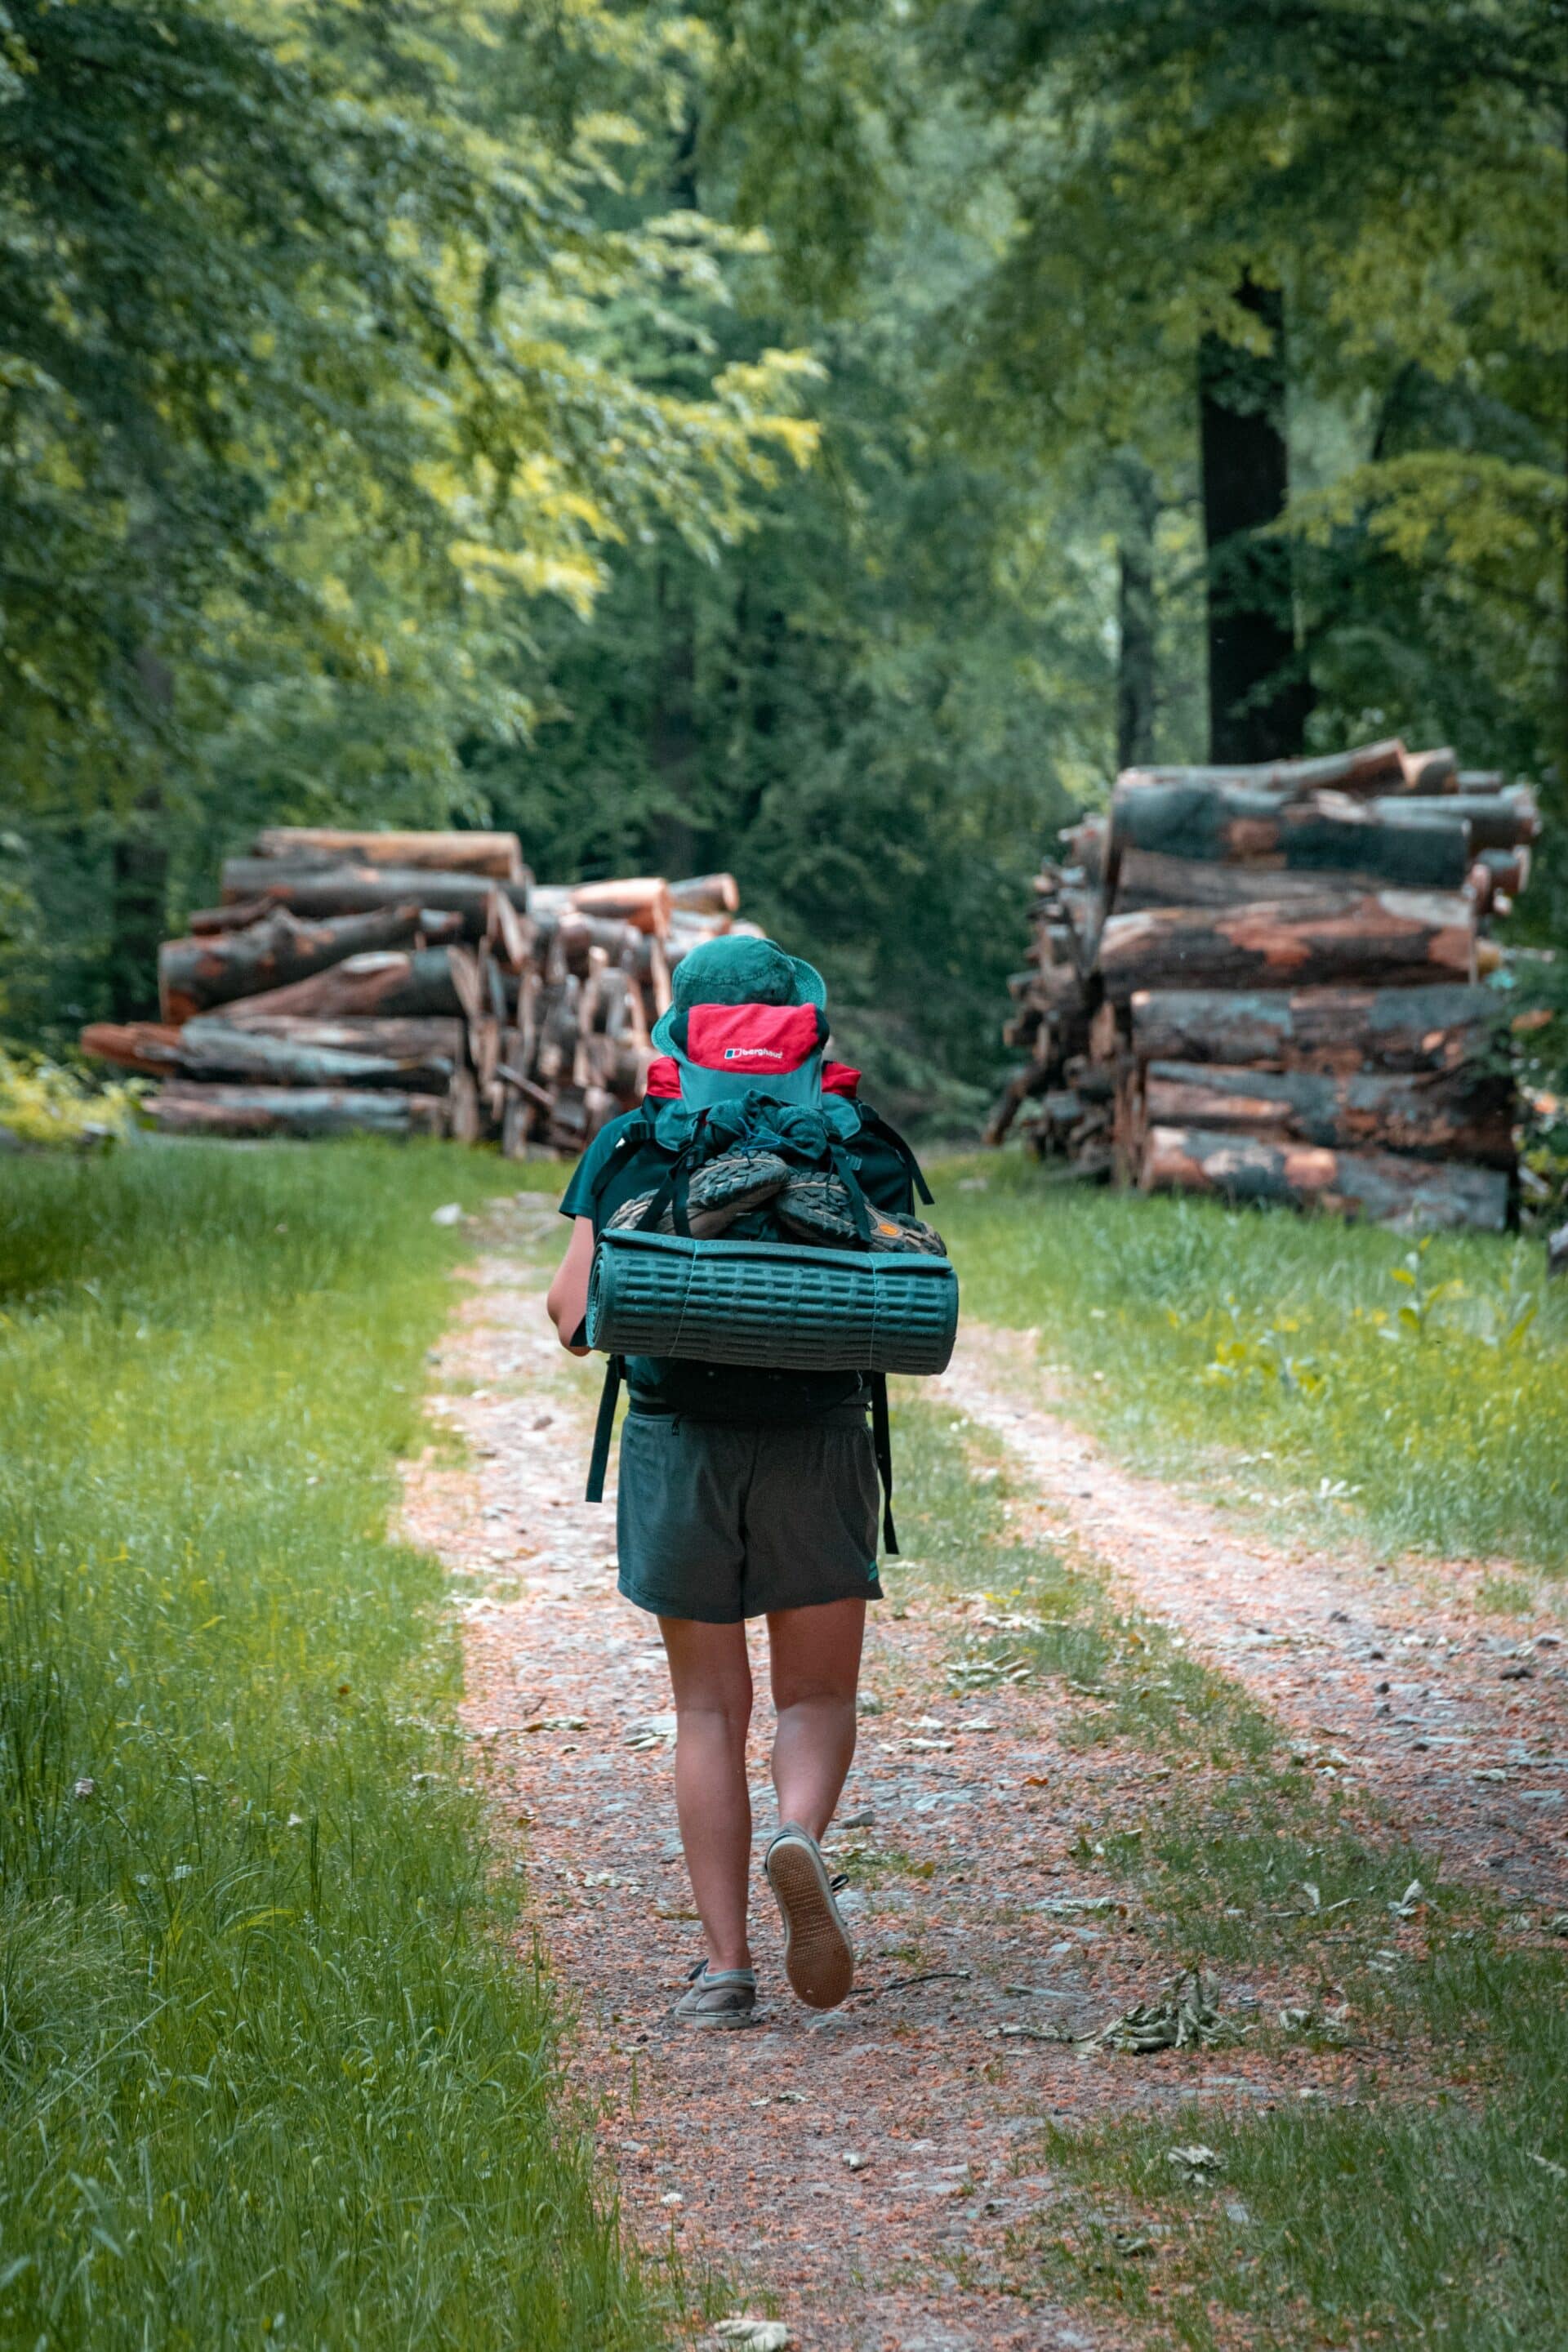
<point x="411" y="984"/>
<point x="1265" y="984"/>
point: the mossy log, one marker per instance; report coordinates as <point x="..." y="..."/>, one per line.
<point x="422" y="982"/>
<point x="1432" y="1115"/>
<point x="496" y="855"/>
<point x="1325" y="834"/>
<point x="195" y="974"/>
<point x="304" y="1112"/>
<point x="1441" y="1028"/>
<point x="1376" y="1186"/>
<point x="1388" y="938"/>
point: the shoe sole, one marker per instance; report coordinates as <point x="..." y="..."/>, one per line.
<point x="818" y="1959"/>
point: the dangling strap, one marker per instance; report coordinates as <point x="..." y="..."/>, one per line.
<point x="603" y="1429"/>
<point x="882" y="1447"/>
<point x="852" y="1185"/>
<point x="873" y="1123"/>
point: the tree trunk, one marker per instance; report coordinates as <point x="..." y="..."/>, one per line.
<point x="1258" y="698"/>
<point x="427" y="981"/>
<point x="1325" y="835"/>
<point x="285" y="1110"/>
<point x="1373" y="1185"/>
<point x="139" y="893"/>
<point x="1433" y="1028"/>
<point x="497" y="856"/>
<point x="1389" y="939"/>
<point x="323" y="890"/>
<point x="673" y="745"/>
<point x="1458" y="1115"/>
<point x="1136" y="616"/>
<point x="196" y="974"/>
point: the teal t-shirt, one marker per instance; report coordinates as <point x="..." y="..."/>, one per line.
<point x="741" y="1393"/>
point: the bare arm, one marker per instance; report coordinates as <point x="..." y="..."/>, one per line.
<point x="567" y="1299"/>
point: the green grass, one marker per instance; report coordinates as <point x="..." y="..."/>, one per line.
<point x="1337" y="1374"/>
<point x="1424" y="2204"/>
<point x="270" y="2072"/>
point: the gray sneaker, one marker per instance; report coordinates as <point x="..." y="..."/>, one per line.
<point x="819" y="1959"/>
<point x="718" y="1996"/>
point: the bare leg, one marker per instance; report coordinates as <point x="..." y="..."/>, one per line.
<point x="712" y="1681"/>
<point x="816" y="1660"/>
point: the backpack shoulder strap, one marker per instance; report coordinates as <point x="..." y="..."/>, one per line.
<point x="632" y="1138"/>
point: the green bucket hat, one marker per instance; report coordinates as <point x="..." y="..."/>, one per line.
<point x="739" y="969"/>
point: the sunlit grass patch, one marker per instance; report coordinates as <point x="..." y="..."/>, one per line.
<point x="1344" y="1375"/>
<point x="270" y="2072"/>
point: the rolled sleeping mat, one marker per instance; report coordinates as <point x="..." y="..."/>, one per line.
<point x="776" y="1304"/>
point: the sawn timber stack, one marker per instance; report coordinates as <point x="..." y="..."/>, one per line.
<point x="411" y="984"/>
<point x="1277" y="984"/>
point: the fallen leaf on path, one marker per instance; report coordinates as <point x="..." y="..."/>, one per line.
<point x="754" y="2334"/>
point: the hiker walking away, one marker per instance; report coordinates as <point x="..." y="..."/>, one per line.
<point x="746" y="1492"/>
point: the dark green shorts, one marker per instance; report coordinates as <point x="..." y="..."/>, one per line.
<point x="717" y="1522"/>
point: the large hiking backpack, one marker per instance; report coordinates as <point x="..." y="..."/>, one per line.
<point x="739" y="1106"/>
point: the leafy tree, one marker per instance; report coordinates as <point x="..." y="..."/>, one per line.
<point x="309" y="390"/>
<point x="1399" y="179"/>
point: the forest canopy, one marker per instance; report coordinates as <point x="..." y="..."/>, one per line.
<point x="796" y="438"/>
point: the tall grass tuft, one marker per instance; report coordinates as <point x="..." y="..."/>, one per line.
<point x="1354" y="1374"/>
<point x="270" y="2072"/>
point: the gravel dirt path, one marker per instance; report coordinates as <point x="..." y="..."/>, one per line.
<point x="1460" y="1726"/>
<point x="865" y="2174"/>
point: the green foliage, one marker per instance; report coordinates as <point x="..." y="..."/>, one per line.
<point x="274" y="2067"/>
<point x="43" y="1105"/>
<point x="1332" y="1373"/>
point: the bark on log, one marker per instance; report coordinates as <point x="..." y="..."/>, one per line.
<point x="1326" y="834"/>
<point x="312" y="891"/>
<point x="1441" y="1028"/>
<point x="296" y="1111"/>
<point x="149" y="1047"/>
<point x="425" y="981"/>
<point x="643" y="900"/>
<point x="1393" y="938"/>
<point x="433" y="1039"/>
<point x="1445" y="1115"/>
<point x="195" y="974"/>
<point x="497" y="855"/>
<point x="236" y="918"/>
<point x="218" y="1050"/>
<point x="1385" y="767"/>
<point x="1373" y="1185"/>
<point x="1504" y="820"/>
<point x="1144" y="878"/>
<point x="707" y="894"/>
<point x="507" y="931"/>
